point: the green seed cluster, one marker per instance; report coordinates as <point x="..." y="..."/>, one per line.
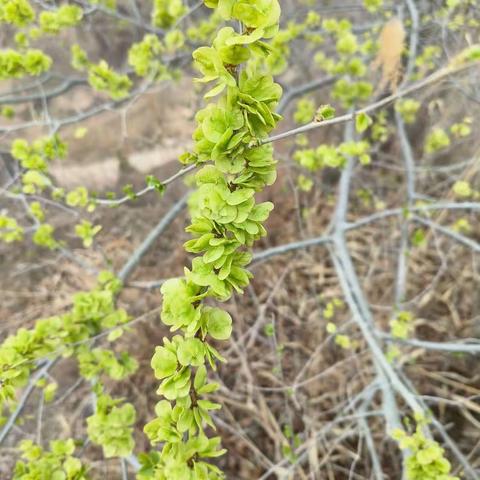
<point x="226" y="221"/>
<point x="426" y="458"/>
<point x="15" y="64"/>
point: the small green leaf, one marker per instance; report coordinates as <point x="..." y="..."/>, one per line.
<point x="164" y="363"/>
<point x="219" y="324"/>
<point x="362" y="122"/>
<point x="200" y="377"/>
<point x="191" y="352"/>
<point x="325" y="112"/>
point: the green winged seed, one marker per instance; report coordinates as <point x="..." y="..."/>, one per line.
<point x="164" y="363"/>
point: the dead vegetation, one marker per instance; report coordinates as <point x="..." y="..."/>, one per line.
<point x="391" y="45"/>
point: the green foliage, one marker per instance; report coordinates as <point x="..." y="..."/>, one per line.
<point x="10" y="230"/>
<point x="144" y="56"/>
<point x="36" y="156"/>
<point x="31" y="62"/>
<point x="87" y="231"/>
<point x="34" y="181"/>
<point x="293" y="442"/>
<point x="277" y="61"/>
<point x="462" y="129"/>
<point x="304" y="183"/>
<point x="79" y="58"/>
<point x="362" y="122"/>
<point x="348" y="63"/>
<point x="92" y="312"/>
<point x="260" y="17"/>
<point x="77" y="197"/>
<point x="7" y="112"/>
<point x="436" y="140"/>
<point x="331" y="328"/>
<point x="379" y="130"/>
<point x="102" y="78"/>
<point x="43" y="237"/>
<point x="16" y="12"/>
<point x="349" y="92"/>
<point x="21" y="39"/>
<point x="426" y="458"/>
<point x="324" y="112"/>
<point x="204" y="31"/>
<point x="56" y="464"/>
<point x="111" y="426"/>
<point x="343" y="341"/>
<point x="52" y="22"/>
<point x="402" y="325"/>
<point x="155" y="183"/>
<point x="462" y="189"/>
<point x="305" y="111"/>
<point x="373" y="5"/>
<point x="179" y="299"/>
<point x="347" y="43"/>
<point x="218" y="323"/>
<point x="427" y="58"/>
<point x="462" y="225"/>
<point x="167" y="12"/>
<point x="408" y="109"/>
<point x="337" y="27"/>
<point x="172" y="464"/>
<point x="225" y="129"/>
<point x="49" y="391"/>
<point x="419" y="237"/>
<point x="331" y="307"/>
<point x="217" y="63"/>
<point x="332" y="156"/>
<point x="108" y="4"/>
<point x="452" y="4"/>
<point x="174" y="40"/>
<point x="226" y="220"/>
<point x="470" y="54"/>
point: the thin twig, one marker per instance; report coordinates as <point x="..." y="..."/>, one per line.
<point x="450" y="347"/>
<point x="431" y="79"/>
<point x="126" y="198"/>
<point x="295" y="92"/>
<point x="24" y="398"/>
<point x="458" y="237"/>
<point x="143" y="248"/>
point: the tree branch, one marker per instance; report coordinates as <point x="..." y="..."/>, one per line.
<point x="431" y="79"/>
<point x="24" y="398"/>
<point x="143" y="248"/>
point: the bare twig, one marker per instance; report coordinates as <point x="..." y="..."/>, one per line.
<point x="126" y="198"/>
<point x="451" y="347"/>
<point x="152" y="236"/>
<point x="349" y="117"/>
<point x="295" y="92"/>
